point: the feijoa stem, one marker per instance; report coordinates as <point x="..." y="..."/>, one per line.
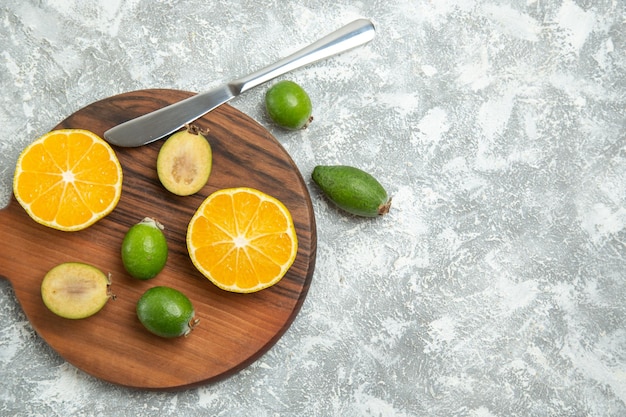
<point x="152" y="222"/>
<point x="110" y="294"/>
<point x="197" y="130"/>
<point x="193" y="323"/>
<point x="384" y="208"/>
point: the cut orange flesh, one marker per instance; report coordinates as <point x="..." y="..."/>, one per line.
<point x="242" y="239"/>
<point x="68" y="179"/>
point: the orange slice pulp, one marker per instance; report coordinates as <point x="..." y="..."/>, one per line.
<point x="68" y="179"/>
<point x="242" y="239"/>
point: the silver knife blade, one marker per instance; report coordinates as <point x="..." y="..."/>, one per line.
<point x="159" y="123"/>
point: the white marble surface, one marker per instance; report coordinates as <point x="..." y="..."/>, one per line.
<point x="496" y="285"/>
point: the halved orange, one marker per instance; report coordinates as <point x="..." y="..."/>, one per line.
<point x="68" y="179"/>
<point x="242" y="239"/>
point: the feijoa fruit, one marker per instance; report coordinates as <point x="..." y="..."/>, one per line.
<point x="166" y="312"/>
<point x="75" y="290"/>
<point x="288" y="105"/>
<point x="144" y="249"/>
<point x="352" y="190"/>
<point x="184" y="161"/>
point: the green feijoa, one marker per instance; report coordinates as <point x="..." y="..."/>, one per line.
<point x="166" y="312"/>
<point x="144" y="249"/>
<point x="288" y="105"/>
<point x="352" y="190"/>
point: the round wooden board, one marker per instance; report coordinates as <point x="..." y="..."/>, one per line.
<point x="235" y="329"/>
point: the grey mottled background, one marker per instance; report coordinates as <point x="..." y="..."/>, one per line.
<point x="496" y="285"/>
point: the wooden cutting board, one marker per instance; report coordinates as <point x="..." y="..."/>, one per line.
<point x="235" y="329"/>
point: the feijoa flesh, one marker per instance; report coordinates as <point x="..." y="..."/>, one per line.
<point x="352" y="190"/>
<point x="75" y="290"/>
<point x="288" y="105"/>
<point x="184" y="161"/>
<point x="166" y="312"/>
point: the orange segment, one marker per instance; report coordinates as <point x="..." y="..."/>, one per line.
<point x="242" y="239"/>
<point x="68" y="179"/>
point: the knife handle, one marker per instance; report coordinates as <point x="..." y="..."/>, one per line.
<point x="354" y="34"/>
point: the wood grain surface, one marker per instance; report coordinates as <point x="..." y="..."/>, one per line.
<point x="235" y="329"/>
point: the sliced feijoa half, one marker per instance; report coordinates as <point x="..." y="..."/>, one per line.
<point x="184" y="161"/>
<point x="75" y="290"/>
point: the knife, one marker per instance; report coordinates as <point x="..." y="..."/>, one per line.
<point x="160" y="123"/>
